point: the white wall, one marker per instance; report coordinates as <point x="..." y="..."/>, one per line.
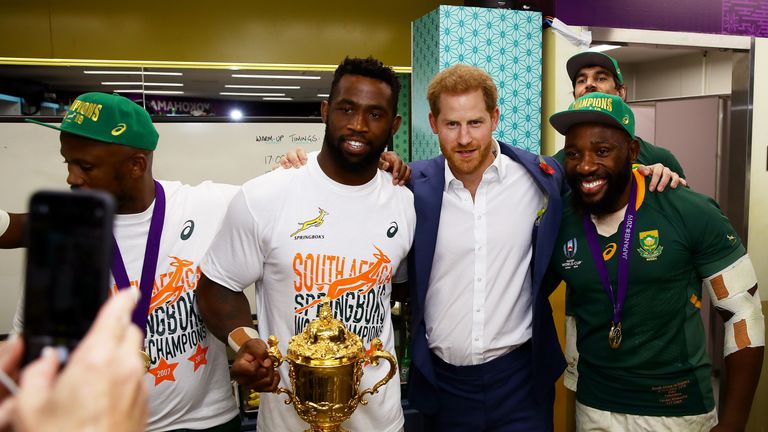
<point x="682" y="76"/>
<point x="190" y="152"/>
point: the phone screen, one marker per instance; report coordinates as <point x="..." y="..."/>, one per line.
<point x="67" y="275"/>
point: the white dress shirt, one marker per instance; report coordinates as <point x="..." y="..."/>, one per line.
<point x="478" y="304"/>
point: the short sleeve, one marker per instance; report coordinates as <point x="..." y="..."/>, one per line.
<point x="235" y="258"/>
<point x="714" y="243"/>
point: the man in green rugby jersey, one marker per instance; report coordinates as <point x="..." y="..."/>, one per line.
<point x="635" y="262"/>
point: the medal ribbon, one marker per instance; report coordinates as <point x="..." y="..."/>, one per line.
<point x="628" y="227"/>
<point x="149" y="268"/>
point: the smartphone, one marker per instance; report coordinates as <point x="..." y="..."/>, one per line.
<point x="69" y="238"/>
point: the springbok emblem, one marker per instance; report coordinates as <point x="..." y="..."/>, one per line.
<point x="316" y="222"/>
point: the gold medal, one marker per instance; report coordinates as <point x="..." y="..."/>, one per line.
<point x="614" y="336"/>
<point x="147" y="360"/>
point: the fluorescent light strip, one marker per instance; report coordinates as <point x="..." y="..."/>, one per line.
<point x="262" y="86"/>
<point x="603" y="48"/>
<point x="323" y="95"/>
<point x="113" y="72"/>
<point x="144" y="84"/>
<point x="250" y="94"/>
<point x="149" y="91"/>
<point x="304" y="77"/>
<point x="277" y="98"/>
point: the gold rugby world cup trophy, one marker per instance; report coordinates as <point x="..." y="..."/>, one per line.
<point x="326" y="366"/>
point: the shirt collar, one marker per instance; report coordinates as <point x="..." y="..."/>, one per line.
<point x="494" y="171"/>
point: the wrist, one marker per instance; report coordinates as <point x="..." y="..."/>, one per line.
<point x="239" y="336"/>
<point x="5" y="221"/>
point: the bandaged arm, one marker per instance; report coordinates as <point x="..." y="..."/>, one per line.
<point x="734" y="294"/>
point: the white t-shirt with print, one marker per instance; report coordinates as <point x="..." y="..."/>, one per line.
<point x="188" y="382"/>
<point x="301" y="236"/>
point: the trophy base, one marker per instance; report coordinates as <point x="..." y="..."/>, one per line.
<point x="334" y="428"/>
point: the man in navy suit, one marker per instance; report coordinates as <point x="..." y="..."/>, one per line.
<point x="485" y="349"/>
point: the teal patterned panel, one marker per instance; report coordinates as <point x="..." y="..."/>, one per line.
<point x="505" y="43"/>
<point x="404" y="109"/>
<point x="425" y="65"/>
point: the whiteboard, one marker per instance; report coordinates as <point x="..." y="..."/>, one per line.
<point x="189" y="152"/>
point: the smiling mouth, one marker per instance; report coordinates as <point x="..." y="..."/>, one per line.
<point x="592" y="186"/>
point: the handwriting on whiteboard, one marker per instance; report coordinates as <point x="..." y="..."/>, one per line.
<point x="290" y="138"/>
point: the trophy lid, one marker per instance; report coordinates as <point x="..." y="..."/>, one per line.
<point x="325" y="342"/>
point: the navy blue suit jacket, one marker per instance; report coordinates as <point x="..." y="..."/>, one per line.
<point x="427" y="184"/>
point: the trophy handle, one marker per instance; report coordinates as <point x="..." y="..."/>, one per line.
<point x="273" y="352"/>
<point x="373" y="357"/>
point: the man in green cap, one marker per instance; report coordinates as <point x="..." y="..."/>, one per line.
<point x="162" y="229"/>
<point x="592" y="71"/>
<point x="635" y="263"/>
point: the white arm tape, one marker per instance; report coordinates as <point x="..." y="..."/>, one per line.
<point x="5" y="221"/>
<point x="729" y="291"/>
<point x="239" y="336"/>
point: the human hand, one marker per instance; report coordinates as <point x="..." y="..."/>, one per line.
<point x="100" y="389"/>
<point x="391" y="162"/>
<point x="253" y="368"/>
<point x="10" y="358"/>
<point x="294" y="158"/>
<point x="661" y="176"/>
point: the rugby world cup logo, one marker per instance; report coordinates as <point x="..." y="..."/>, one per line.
<point x="570" y="247"/>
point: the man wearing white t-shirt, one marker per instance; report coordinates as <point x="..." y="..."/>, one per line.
<point x="107" y="142"/>
<point x="335" y="228"/>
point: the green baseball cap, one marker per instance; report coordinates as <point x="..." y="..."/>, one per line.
<point x="593" y="58"/>
<point x="595" y="108"/>
<point x="109" y="118"/>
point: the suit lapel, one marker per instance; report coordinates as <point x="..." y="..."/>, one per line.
<point x="428" y="200"/>
<point x="545" y="235"/>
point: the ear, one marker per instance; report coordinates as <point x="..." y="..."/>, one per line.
<point x="396" y="124"/>
<point x="433" y="122"/>
<point x="138" y="165"/>
<point x="634" y="150"/>
<point x="495" y="118"/>
<point x="324" y="111"/>
<point x="622" y="92"/>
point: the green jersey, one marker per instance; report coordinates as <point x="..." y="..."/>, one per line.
<point x="661" y="367"/>
<point x="649" y="155"/>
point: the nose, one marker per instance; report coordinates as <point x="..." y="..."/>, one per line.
<point x="465" y="137"/>
<point x="358" y="122"/>
<point x="586" y="165"/>
<point x="74" y="177"/>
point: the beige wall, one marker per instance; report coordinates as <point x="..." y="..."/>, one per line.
<point x="758" y="215"/>
<point x="299" y="31"/>
<point x="681" y="76"/>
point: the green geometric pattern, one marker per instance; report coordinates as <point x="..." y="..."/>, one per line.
<point x="425" y="64"/>
<point x="505" y="43"/>
<point x="401" y="141"/>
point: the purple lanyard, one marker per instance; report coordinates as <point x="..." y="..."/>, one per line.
<point x="150" y="261"/>
<point x="628" y="227"/>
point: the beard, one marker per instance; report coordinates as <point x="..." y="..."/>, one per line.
<point x="616" y="185"/>
<point x="368" y="160"/>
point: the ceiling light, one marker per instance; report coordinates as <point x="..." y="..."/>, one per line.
<point x="144" y="84"/>
<point x="261" y="86"/>
<point x="149" y="91"/>
<point x="306" y="77"/>
<point x="603" y="48"/>
<point x="277" y="98"/>
<point x="323" y="95"/>
<point x="114" y="72"/>
<point x="250" y="94"/>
